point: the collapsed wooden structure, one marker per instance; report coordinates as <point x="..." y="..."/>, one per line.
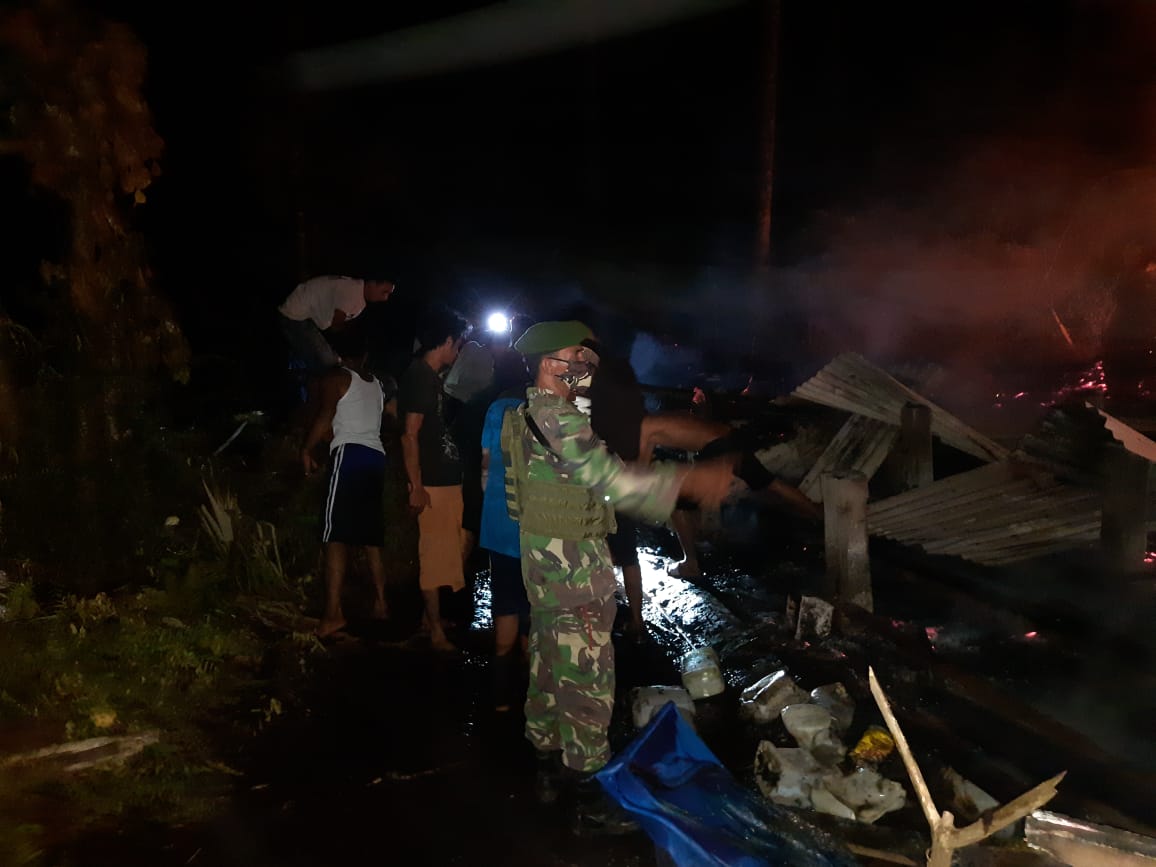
<point x="1081" y="479"/>
<point x="884" y="461"/>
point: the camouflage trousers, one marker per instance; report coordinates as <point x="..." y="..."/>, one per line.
<point x="571" y="694"/>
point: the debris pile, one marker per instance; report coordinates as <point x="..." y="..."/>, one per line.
<point x="819" y="774"/>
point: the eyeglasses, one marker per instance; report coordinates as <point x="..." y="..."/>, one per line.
<point x="581" y="358"/>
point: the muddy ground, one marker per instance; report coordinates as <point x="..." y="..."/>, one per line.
<point x="386" y="750"/>
<point x="393" y="752"/>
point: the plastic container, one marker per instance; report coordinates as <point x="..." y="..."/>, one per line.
<point x="649" y="700"/>
<point x="701" y="674"/>
<point x="764" y="699"/>
<point x="834" y="698"/>
<point x="813" y="727"/>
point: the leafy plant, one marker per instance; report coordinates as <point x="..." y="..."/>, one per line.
<point x="22" y="603"/>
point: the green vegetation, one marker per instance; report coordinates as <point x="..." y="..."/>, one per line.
<point x="181" y="656"/>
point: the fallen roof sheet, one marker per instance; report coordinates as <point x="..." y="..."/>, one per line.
<point x="995" y="515"/>
<point x="1128" y="437"/>
<point x="862" y="444"/>
<point x="852" y="383"/>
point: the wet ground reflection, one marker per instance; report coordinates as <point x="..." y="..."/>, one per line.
<point x="689" y="616"/>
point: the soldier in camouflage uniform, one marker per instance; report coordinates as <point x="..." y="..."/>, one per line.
<point x="563" y="486"/>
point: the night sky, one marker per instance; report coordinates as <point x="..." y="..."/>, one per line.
<point x="920" y="147"/>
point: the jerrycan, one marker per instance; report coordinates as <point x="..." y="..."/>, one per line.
<point x="701" y="674"/>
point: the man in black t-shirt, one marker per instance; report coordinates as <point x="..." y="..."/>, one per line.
<point x="433" y="465"/>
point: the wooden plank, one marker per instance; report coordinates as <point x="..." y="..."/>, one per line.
<point x="848" y="575"/>
<point x="912" y="454"/>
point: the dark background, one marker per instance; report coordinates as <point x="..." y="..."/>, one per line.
<point x="974" y="139"/>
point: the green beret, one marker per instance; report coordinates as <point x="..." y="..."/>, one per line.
<point x="547" y="337"/>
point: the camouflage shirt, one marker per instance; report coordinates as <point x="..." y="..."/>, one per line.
<point x="568" y="574"/>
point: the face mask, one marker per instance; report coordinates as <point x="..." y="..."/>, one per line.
<point x="581" y="391"/>
<point x="575" y="373"/>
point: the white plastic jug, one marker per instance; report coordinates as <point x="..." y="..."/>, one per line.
<point x="701" y="674"/>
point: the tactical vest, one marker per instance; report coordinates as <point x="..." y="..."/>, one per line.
<point x="552" y="507"/>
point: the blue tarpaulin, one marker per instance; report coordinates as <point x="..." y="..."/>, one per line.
<point x="699" y="815"/>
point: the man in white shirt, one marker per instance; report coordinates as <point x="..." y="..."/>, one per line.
<point x="318" y="305"/>
<point x="322" y="303"/>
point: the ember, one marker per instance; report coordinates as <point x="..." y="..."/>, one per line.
<point x="1092" y="379"/>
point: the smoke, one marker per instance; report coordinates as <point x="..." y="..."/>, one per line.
<point x="993" y="260"/>
<point x="979" y="232"/>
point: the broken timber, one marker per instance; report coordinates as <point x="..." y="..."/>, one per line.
<point x="945" y="837"/>
<point x="1068" y="487"/>
<point x="845" y="537"/>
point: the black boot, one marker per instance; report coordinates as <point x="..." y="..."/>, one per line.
<point x="595" y="814"/>
<point x="548" y="776"/>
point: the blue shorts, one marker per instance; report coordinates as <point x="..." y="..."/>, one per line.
<point x="354" y="510"/>
<point x="623" y="543"/>
<point x="507" y="592"/>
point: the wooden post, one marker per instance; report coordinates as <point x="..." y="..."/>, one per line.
<point x="945" y="837"/>
<point x="1123" y="521"/>
<point x="845" y="535"/>
<point x="912" y="454"/>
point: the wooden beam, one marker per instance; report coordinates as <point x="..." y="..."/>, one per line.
<point x="845" y="532"/>
<point x="913" y="465"/>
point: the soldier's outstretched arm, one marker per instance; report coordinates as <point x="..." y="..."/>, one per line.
<point x="648" y="493"/>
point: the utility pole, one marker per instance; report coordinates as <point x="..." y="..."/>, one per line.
<point x="768" y="106"/>
<point x="298" y="125"/>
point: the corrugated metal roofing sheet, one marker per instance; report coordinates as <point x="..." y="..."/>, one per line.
<point x="999" y="514"/>
<point x="862" y="444"/>
<point x="852" y="383"/>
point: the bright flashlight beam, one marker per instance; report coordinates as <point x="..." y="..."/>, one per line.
<point x="497" y="323"/>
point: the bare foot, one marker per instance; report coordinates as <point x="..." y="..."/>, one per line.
<point x="380" y="610"/>
<point x="328" y="626"/>
<point x="442" y="644"/>
<point x="681" y="570"/>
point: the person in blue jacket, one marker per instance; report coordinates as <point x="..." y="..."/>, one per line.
<point x="498" y="535"/>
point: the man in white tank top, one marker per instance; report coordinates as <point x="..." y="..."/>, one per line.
<point x="350" y="416"/>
